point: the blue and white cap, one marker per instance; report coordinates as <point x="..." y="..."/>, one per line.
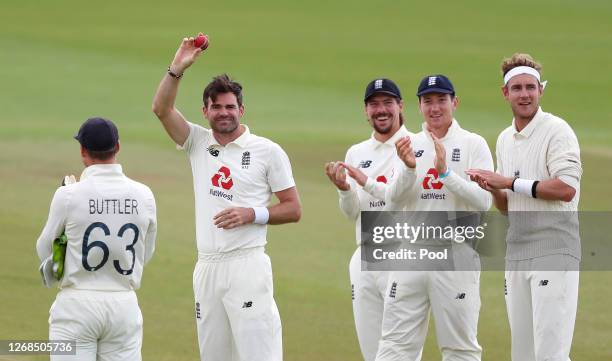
<point x="384" y="86"/>
<point x="435" y="84"/>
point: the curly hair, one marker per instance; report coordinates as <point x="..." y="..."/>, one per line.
<point x="519" y="59"/>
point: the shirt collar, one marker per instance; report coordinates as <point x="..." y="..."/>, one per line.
<point x="454" y="127"/>
<point x="531" y="126"/>
<point x="241" y="141"/>
<point x="97" y="170"/>
<point x="401" y="132"/>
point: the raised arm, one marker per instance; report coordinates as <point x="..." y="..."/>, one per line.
<point x="173" y="121"/>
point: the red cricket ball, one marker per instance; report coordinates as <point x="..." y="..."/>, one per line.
<point x="201" y="41"/>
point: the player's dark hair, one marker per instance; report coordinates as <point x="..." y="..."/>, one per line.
<point x="219" y="85"/>
<point x="102" y="155"/>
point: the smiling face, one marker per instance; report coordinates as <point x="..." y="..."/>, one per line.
<point x="437" y="109"/>
<point x="383" y="112"/>
<point x="523" y="92"/>
<point x="224" y="113"/>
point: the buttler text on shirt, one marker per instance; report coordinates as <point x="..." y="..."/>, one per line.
<point x="113" y="206"/>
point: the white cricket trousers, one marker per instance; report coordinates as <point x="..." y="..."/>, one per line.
<point x="368" y="294"/>
<point x="107" y="326"/>
<point x="236" y="315"/>
<point x="453" y="297"/>
<point x="542" y="305"/>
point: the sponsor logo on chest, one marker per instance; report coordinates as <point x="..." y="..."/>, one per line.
<point x="432" y="181"/>
<point x="222" y="180"/>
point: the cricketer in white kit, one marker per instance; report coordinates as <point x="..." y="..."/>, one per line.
<point x="235" y="174"/>
<point x="110" y="224"/>
<point x="375" y="157"/>
<point x="439" y="155"/>
<point x="538" y="185"/>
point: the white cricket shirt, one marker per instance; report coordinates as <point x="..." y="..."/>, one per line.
<point x="243" y="173"/>
<point x="110" y="222"/>
<point x="546" y="148"/>
<point x="377" y="160"/>
<point x="456" y="192"/>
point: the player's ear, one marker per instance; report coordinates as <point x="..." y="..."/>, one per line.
<point x="117" y="147"/>
<point x="504" y="90"/>
<point x="401" y="105"/>
<point x="455" y="102"/>
<point x="241" y="109"/>
<point x="85" y="157"/>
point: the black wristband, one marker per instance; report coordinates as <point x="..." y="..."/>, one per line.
<point x="174" y="75"/>
<point x="533" y="189"/>
<point x="512" y="186"/>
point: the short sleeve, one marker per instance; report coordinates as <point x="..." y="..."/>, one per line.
<point x="197" y="136"/>
<point x="279" y="174"/>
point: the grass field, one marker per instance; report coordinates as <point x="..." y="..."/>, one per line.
<point x="304" y="67"/>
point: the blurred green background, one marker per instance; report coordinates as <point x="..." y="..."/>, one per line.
<point x="304" y="67"/>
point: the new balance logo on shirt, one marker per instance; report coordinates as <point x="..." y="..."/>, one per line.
<point x="247" y="304"/>
<point x="365" y="164"/>
<point x="544" y="283"/>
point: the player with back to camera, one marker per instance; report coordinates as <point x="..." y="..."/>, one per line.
<point x="110" y="224"/>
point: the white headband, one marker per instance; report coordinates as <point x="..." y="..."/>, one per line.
<point x="523" y="70"/>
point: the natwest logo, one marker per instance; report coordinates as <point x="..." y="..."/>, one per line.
<point x="381" y="179"/>
<point x="223" y="179"/>
<point x="431" y="180"/>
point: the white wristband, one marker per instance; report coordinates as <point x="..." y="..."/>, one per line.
<point x="262" y="215"/>
<point x="524" y="186"/>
